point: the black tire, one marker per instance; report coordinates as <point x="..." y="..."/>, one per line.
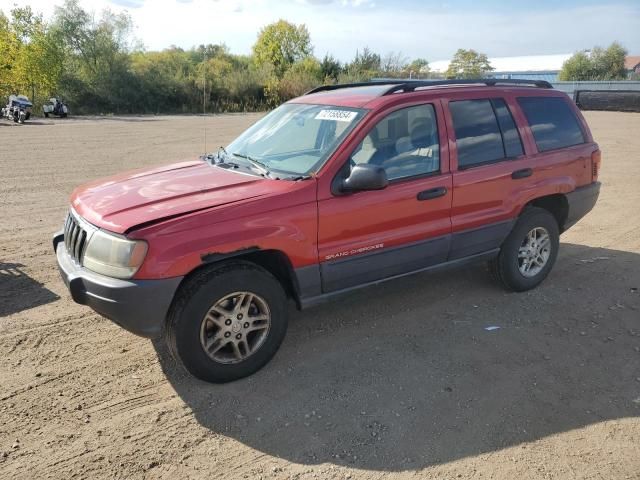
<point x="505" y="267"/>
<point x="46" y="115"/>
<point x="199" y="294"/>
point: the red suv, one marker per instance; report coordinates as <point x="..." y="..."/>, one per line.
<point x="343" y="187"/>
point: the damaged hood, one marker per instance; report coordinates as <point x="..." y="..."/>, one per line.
<point x="124" y="201"/>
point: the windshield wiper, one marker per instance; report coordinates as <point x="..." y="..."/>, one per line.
<point x="258" y="165"/>
<point x="299" y="177"/>
<point x="221" y="158"/>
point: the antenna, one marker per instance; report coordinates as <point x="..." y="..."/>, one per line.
<point x="204" y="100"/>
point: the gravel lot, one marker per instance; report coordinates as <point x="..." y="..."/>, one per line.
<point x="396" y="381"/>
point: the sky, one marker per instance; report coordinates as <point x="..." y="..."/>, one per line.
<point x="417" y="28"/>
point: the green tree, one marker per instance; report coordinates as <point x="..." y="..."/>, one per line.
<point x="210" y="51"/>
<point x="331" y="68"/>
<point x="418" y="68"/>
<point x="578" y="67"/>
<point x="394" y="64"/>
<point x="9" y="48"/>
<point x="301" y="77"/>
<point x="166" y="80"/>
<point x="468" y="64"/>
<point x="598" y="64"/>
<point x="35" y="58"/>
<point x="367" y="62"/>
<point x="245" y="86"/>
<point x="281" y="44"/>
<point x="609" y="62"/>
<point x="99" y="57"/>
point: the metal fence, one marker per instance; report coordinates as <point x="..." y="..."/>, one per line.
<point x="622" y="85"/>
<point x="603" y="95"/>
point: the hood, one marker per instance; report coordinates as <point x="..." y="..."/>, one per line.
<point x="124" y="201"/>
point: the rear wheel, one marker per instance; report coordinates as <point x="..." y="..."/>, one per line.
<point x="228" y="322"/>
<point x="46" y="114"/>
<point x="529" y="252"/>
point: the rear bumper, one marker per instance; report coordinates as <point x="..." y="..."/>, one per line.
<point x="139" y="306"/>
<point x="581" y="201"/>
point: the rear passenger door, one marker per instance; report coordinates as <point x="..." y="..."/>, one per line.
<point x="505" y="151"/>
<point x="489" y="169"/>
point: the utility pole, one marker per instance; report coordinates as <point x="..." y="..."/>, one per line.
<point x="204" y="100"/>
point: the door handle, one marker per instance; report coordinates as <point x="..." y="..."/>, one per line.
<point x="432" y="193"/>
<point x="524" y="173"/>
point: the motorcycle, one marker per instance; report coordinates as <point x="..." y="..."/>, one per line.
<point x="55" y="107"/>
<point x="18" y="109"/>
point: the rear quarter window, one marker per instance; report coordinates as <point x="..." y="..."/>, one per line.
<point x="552" y="122"/>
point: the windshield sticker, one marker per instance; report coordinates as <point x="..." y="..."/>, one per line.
<point x="336" y="115"/>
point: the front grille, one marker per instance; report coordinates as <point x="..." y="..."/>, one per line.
<point x="75" y="238"/>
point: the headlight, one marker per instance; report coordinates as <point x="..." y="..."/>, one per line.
<point x="114" y="256"/>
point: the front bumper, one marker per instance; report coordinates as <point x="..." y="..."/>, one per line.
<point x="139" y="306"/>
<point x="581" y="201"/>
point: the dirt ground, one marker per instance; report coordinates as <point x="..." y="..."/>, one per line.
<point x="396" y="381"/>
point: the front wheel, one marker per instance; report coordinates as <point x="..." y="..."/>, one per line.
<point x="529" y="252"/>
<point x="227" y="322"/>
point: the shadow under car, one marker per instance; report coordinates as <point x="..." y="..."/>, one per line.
<point x="407" y="374"/>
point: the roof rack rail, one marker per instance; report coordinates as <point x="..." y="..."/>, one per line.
<point x="411" y="85"/>
<point x="337" y="86"/>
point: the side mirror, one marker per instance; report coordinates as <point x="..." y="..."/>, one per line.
<point x="365" y="177"/>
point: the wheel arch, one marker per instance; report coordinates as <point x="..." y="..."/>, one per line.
<point x="276" y="262"/>
<point x="556" y="204"/>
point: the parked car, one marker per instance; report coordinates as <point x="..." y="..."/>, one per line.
<point x="18" y="108"/>
<point x="55" y="106"/>
<point x="346" y="186"/>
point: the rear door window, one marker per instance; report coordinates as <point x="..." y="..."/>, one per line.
<point x="510" y="135"/>
<point x="485" y="132"/>
<point x="552" y="122"/>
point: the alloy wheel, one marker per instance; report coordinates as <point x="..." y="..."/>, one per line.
<point x="235" y="327"/>
<point x="534" y="252"/>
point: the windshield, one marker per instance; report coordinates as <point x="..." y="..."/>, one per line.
<point x="296" y="139"/>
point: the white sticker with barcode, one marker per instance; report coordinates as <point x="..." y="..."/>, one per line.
<point x="337" y="115"/>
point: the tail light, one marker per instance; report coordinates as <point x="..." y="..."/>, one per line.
<point x="596" y="157"/>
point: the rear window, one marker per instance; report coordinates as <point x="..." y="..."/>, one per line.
<point x="552" y="122"/>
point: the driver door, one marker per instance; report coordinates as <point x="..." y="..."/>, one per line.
<point x="372" y="235"/>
